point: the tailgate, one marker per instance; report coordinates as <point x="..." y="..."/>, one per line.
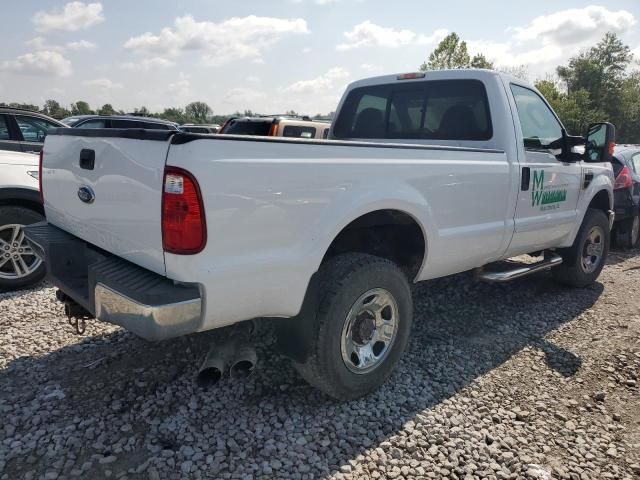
<point x="105" y="187"/>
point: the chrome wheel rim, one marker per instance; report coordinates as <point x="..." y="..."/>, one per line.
<point x="635" y="230"/>
<point x="17" y="259"/>
<point x="369" y="331"/>
<point x="592" y="250"/>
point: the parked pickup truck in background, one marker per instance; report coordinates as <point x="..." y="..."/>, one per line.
<point x="169" y="233"/>
<point x="290" y="126"/>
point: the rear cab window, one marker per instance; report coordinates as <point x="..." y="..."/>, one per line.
<point x="248" y="127"/>
<point x="427" y="110"/>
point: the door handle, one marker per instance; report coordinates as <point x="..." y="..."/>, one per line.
<point x="526" y="179"/>
<point x="588" y="178"/>
<point x="87" y="158"/>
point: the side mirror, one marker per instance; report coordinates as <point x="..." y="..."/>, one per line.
<point x="599" y="142"/>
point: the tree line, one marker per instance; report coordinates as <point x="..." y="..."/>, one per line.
<point x="598" y="84"/>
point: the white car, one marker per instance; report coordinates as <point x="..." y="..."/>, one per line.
<point x="170" y="233"/>
<point x="19" y="205"/>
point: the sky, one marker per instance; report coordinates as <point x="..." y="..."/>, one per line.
<point x="277" y="55"/>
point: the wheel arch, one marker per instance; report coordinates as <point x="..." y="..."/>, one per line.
<point x="21" y="197"/>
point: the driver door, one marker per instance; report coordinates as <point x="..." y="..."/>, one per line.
<point x="547" y="203"/>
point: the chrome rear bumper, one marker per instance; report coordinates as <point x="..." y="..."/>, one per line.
<point x="114" y="290"/>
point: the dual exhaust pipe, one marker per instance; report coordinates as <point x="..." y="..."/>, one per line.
<point x="237" y="356"/>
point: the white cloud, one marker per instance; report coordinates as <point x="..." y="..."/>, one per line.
<point x="103" y="83"/>
<point x="40" y="43"/>
<point x="368" y="34"/>
<point x="81" y="45"/>
<point x="181" y="88"/>
<point x="549" y="40"/>
<point x="147" y="64"/>
<point x="41" y="63"/>
<point x="221" y="43"/>
<point x="243" y="98"/>
<point x="73" y="17"/>
<point x="575" y="25"/>
<point x="323" y="83"/>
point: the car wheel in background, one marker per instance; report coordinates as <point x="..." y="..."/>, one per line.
<point x="628" y="232"/>
<point x="19" y="266"/>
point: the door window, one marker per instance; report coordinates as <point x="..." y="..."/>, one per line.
<point x="92" y="124"/>
<point x="540" y="128"/>
<point x="635" y="162"/>
<point x="4" y="128"/>
<point x="34" y="129"/>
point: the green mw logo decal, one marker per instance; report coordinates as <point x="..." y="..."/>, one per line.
<point x="542" y="196"/>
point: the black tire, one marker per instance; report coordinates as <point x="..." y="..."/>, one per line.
<point x="12" y="215"/>
<point x="342" y="281"/>
<point x="627" y="232"/>
<point x="572" y="272"/>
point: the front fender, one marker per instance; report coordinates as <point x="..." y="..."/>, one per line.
<point x="603" y="181"/>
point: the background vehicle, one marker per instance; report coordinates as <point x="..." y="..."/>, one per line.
<point x="119" y="121"/>
<point x="171" y="233"/>
<point x="199" y="128"/>
<point x="626" y="190"/>
<point x="19" y="205"/>
<point x="24" y="130"/>
<point x="277" y="126"/>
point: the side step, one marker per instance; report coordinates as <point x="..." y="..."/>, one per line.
<point x="513" y="270"/>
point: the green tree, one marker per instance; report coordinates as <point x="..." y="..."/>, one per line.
<point x="480" y="61"/>
<point x="601" y="72"/>
<point x="55" y="110"/>
<point x="198" y="112"/>
<point x="106" y="109"/>
<point x="452" y="53"/>
<point x="174" y="115"/>
<point x="81" y="108"/>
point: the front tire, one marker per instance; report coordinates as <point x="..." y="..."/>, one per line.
<point x="19" y="266"/>
<point x="585" y="259"/>
<point x="360" y="328"/>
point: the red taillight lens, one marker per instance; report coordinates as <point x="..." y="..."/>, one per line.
<point x="40" y="176"/>
<point x="184" y="229"/>
<point x="623" y="180"/>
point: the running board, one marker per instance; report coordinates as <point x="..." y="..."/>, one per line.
<point x="520" y="270"/>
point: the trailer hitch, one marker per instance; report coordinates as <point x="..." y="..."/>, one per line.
<point x="76" y="314"/>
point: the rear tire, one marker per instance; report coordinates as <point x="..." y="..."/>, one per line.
<point x="627" y="232"/>
<point x="29" y="270"/>
<point x="585" y="259"/>
<point x="360" y="327"/>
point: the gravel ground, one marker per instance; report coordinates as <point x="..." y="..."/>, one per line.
<point x="523" y="381"/>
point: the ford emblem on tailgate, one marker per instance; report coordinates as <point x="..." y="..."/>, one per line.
<point x="86" y="194"/>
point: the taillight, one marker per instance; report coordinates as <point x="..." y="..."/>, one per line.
<point x="41" y="156"/>
<point x="184" y="230"/>
<point x="623" y="180"/>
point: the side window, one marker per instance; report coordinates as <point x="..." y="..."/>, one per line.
<point x="455" y="110"/>
<point x="34" y="129"/>
<point x="126" y="124"/>
<point x="540" y="128"/>
<point x="299" y="132"/>
<point x="635" y="160"/>
<point x="4" y="128"/>
<point x="92" y="124"/>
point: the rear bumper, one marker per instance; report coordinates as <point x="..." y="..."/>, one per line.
<point x="114" y="290"/>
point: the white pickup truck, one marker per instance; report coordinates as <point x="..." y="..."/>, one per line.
<point x="424" y="175"/>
